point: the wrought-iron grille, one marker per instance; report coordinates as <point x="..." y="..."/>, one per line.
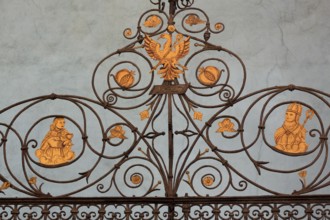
<point x="170" y="135"/>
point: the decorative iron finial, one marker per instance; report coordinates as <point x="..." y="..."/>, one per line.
<point x="176" y="4"/>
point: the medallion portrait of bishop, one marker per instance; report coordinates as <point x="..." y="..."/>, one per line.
<point x="291" y="137"/>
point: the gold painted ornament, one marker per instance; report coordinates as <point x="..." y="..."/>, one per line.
<point x="117" y="132"/>
<point x="209" y="75"/>
<point x="56" y="146"/>
<point x="4" y="186"/>
<point x="291" y="137"/>
<point x="152" y="21"/>
<point x="208" y="181"/>
<point x="144" y="114"/>
<point x="168" y="55"/>
<point x="171" y="28"/>
<point x="128" y="32"/>
<point x="136" y="179"/>
<point x="303" y="174"/>
<point x="125" y="78"/>
<point x="218" y="26"/>
<point x="33" y="180"/>
<point x="226" y="126"/>
<point x="194" y="20"/>
<point x="198" y="116"/>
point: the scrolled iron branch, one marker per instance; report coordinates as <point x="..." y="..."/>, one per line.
<point x="27" y="158"/>
<point x="261" y="164"/>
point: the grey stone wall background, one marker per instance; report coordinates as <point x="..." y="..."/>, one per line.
<point x="53" y="46"/>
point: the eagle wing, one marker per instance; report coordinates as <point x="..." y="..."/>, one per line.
<point x="184" y="47"/>
<point x="152" y="47"/>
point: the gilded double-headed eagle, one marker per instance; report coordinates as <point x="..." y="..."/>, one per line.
<point x="168" y="55"/>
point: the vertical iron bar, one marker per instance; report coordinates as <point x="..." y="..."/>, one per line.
<point x="172" y="6"/>
<point x="170" y="192"/>
<point x="170" y="156"/>
<point x="170" y="146"/>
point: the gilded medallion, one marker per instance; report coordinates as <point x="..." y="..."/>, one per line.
<point x="56" y="146"/>
<point x="290" y="137"/>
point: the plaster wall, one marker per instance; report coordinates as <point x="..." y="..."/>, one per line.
<point x="51" y="46"/>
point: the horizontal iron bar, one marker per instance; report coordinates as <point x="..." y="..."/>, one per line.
<point x="177" y="200"/>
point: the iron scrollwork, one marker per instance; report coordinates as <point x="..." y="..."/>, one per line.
<point x="214" y="141"/>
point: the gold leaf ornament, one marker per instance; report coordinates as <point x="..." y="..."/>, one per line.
<point x="125" y="78"/>
<point x="303" y="174"/>
<point x="5" y="185"/>
<point x="118" y="132"/>
<point x="198" y="116"/>
<point x="226" y="126"/>
<point x="209" y="75"/>
<point x="33" y="180"/>
<point x="144" y="114"/>
<point x="194" y="20"/>
<point x="152" y="21"/>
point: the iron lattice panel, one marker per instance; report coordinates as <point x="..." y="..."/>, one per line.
<point x="301" y="207"/>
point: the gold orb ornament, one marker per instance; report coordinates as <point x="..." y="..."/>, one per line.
<point x="171" y="28"/>
<point x="209" y="75"/>
<point x="125" y="78"/>
<point x="136" y="179"/>
<point x="218" y="26"/>
<point x="128" y="32"/>
<point x="208" y="181"/>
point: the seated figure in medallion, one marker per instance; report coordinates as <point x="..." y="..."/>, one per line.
<point x="291" y="136"/>
<point x="56" y="146"/>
